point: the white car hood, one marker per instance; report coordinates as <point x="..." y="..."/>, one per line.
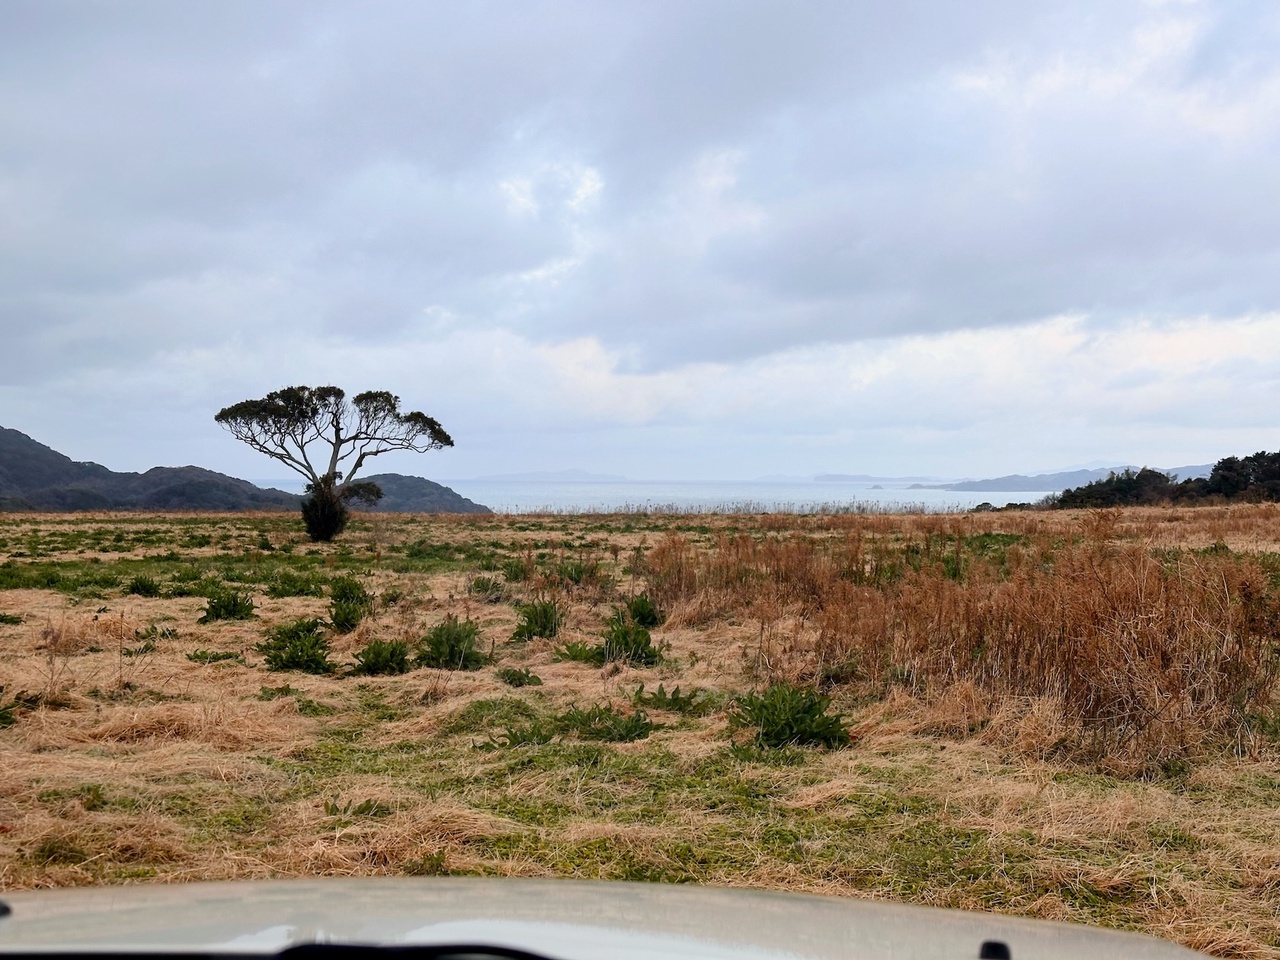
<point x="561" y="919"/>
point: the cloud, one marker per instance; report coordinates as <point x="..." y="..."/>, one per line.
<point x="965" y="402"/>
<point x="694" y="226"/>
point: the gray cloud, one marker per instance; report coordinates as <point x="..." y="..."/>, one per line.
<point x="715" y="183"/>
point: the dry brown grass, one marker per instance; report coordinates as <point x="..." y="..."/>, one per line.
<point x="1056" y="715"/>
<point x="1115" y="652"/>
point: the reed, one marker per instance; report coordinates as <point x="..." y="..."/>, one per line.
<point x="1150" y="654"/>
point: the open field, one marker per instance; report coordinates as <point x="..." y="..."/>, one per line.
<point x="1070" y="716"/>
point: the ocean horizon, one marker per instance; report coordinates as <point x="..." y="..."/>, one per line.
<point x="713" y="496"/>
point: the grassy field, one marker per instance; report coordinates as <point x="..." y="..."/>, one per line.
<point x="1053" y="714"/>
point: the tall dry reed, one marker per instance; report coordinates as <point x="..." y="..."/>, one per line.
<point x="1148" y="654"/>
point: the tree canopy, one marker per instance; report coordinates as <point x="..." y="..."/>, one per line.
<point x="318" y="433"/>
<point x="1252" y="478"/>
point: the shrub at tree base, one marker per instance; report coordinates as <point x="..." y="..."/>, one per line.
<point x="323" y="513"/>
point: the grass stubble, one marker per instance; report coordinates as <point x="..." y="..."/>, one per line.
<point x="1060" y="715"/>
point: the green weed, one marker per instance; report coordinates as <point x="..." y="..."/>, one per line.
<point x="382" y="657"/>
<point x="451" y="644"/>
<point x="542" y="618"/>
<point x="627" y="641"/>
<point x="214" y="656"/>
<point x="696" y="703"/>
<point x="644" y="612"/>
<point x="788" y="716"/>
<point x="624" y="642"/>
<point x="518" y="677"/>
<point x="143" y="586"/>
<point x="297" y="645"/>
<point x="141" y="650"/>
<point x="487" y="589"/>
<point x="227" y="605"/>
<point x="287" y="583"/>
<point x="605" y="723"/>
<point x="365" y="808"/>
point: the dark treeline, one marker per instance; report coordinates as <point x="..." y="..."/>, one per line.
<point x="1254" y="478"/>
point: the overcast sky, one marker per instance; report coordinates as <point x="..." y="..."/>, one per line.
<point x="667" y="240"/>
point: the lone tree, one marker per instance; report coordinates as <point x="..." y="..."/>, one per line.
<point x="286" y="423"/>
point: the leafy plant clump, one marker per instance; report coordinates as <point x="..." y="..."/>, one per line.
<point x="515" y="570"/>
<point x="350" y="590"/>
<point x="644" y="612"/>
<point x="785" y="716"/>
<point x="624" y="642"/>
<point x="535" y="733"/>
<point x="488" y="589"/>
<point x="578" y="652"/>
<point x="383" y="657"/>
<point x="593" y="723"/>
<point x="350" y="603"/>
<point x="627" y="641"/>
<point x="141" y="650"/>
<point x="155" y="631"/>
<point x="518" y="677"/>
<point x="298" y="645"/>
<point x="10" y="619"/>
<point x="195" y="586"/>
<point x="452" y="644"/>
<point x="143" y="586"/>
<point x="696" y="703"/>
<point x="287" y="583"/>
<point x="542" y="618"/>
<point x="606" y="723"/>
<point x="214" y="656"/>
<point x="227" y="605"/>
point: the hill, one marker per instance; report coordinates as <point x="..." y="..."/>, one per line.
<point x="36" y="477"/>
<point x="1064" y="480"/>
<point x="401" y="494"/>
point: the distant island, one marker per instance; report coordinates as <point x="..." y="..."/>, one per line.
<point x="37" y="477"/>
<point x="1044" y="482"/>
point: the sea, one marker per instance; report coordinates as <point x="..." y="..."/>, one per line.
<point x="712" y="496"/>
<point x="633" y="496"/>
